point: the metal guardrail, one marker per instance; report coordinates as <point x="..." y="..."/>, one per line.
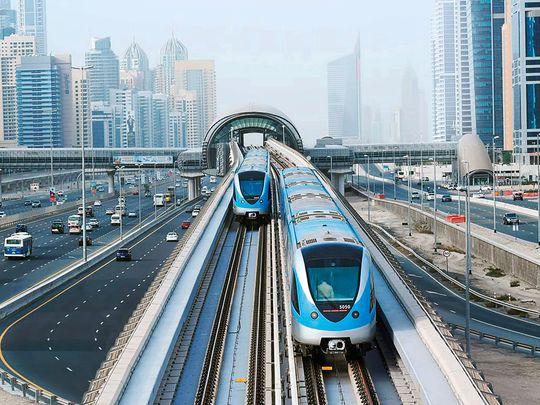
<point x="499" y="341"/>
<point x="442" y="273"/>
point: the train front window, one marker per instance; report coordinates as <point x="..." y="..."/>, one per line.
<point x="251" y="185"/>
<point x="333" y="272"/>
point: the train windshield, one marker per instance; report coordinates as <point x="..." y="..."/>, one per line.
<point x="251" y="185"/>
<point x="333" y="272"/>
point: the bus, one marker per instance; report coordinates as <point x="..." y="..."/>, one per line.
<point x="74" y="220"/>
<point x="18" y="245"/>
<point x="159" y="200"/>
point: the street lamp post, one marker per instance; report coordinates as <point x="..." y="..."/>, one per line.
<point x="468" y="265"/>
<point x="83" y="200"/>
<point x="459" y="187"/>
<point x="283" y="127"/>
<point x="538" y="180"/>
<point x="140" y="191"/>
<point x="435" y="201"/>
<point x="368" y="191"/>
<point x="394" y="178"/>
<point x="408" y="157"/>
<point x="155" y="190"/>
<point x="52" y="177"/>
<point x="331" y="167"/>
<point x="421" y="180"/>
<point x="120" y="203"/>
<point x="495" y="187"/>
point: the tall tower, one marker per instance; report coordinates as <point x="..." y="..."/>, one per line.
<point x="173" y="51"/>
<point x="134" y="69"/>
<point x="33" y="21"/>
<point x="485" y="56"/>
<point x="8" y="19"/>
<point x="83" y="114"/>
<point x="12" y="49"/>
<point x="105" y="73"/>
<point x="412" y="115"/>
<point x="344" y="96"/>
<point x="198" y="77"/>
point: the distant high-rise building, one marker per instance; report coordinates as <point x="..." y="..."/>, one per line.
<point x="526" y="80"/>
<point x="186" y="109"/>
<point x="105" y="74"/>
<point x="485" y="20"/>
<point x="103" y="126"/>
<point x="11" y="50"/>
<point x="8" y="19"/>
<point x="508" y="106"/>
<point x="123" y="103"/>
<point x="44" y="102"/>
<point x="83" y="111"/>
<point x="33" y="21"/>
<point x="160" y="120"/>
<point x="452" y="113"/>
<point x="135" y="71"/>
<point x="344" y="105"/>
<point x="172" y="51"/>
<point x="63" y="65"/>
<point x="395" y="127"/>
<point x="199" y="78"/>
<point x="142" y="107"/>
<point x="412" y="115"/>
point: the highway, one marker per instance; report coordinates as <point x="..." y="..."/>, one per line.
<point x="13" y="207"/>
<point x="60" y="341"/>
<point x="480" y="214"/>
<point x="451" y="307"/>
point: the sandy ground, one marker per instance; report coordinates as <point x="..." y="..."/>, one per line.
<point x="7" y="398"/>
<point x="422" y="244"/>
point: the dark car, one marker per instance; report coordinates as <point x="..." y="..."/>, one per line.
<point x="517" y="195"/>
<point x="27" y="203"/>
<point x="446" y="198"/>
<point x="57" y="227"/>
<point x="88" y="241"/>
<point x="510" y="218"/>
<point x="21" y="228"/>
<point x="123" y="254"/>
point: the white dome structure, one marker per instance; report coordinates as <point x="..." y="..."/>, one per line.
<point x="473" y="159"/>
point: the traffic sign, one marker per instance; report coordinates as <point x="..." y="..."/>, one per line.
<point x="446" y="253"/>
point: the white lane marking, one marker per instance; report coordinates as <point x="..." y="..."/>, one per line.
<point x="436" y="293"/>
<point x="68" y="369"/>
<point x="415" y="275"/>
<point x="452" y="311"/>
<point x="56" y="358"/>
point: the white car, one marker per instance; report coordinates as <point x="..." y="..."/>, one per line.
<point x="429" y="196"/>
<point x="89" y="227"/>
<point x="172" y="237"/>
<point x="60" y="202"/>
<point x="97" y="203"/>
<point x="132" y="214"/>
<point x="194" y="213"/>
<point x="109" y="211"/>
<point x="94" y="222"/>
<point x="478" y="195"/>
<point x="2" y="214"/>
<point x="485" y="188"/>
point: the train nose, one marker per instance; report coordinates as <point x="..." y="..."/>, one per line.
<point x="336" y="345"/>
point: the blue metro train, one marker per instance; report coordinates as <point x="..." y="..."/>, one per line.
<point x="251" y="197"/>
<point x="330" y="271"/>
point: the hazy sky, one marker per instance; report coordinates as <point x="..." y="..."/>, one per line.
<point x="271" y="52"/>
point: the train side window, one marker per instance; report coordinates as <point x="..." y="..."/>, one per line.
<point x="294" y="295"/>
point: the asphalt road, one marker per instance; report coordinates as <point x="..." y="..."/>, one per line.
<point x="17" y="206"/>
<point x="451" y="307"/>
<point x="60" y="342"/>
<point x="480" y="214"/>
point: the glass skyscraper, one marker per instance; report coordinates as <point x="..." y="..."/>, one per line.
<point x="8" y="19"/>
<point x="105" y="74"/>
<point x="526" y="79"/>
<point x="39" y="102"/>
<point x="486" y="19"/>
<point x="33" y="21"/>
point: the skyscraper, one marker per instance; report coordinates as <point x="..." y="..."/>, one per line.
<point x="134" y="69"/>
<point x="344" y="105"/>
<point x="172" y="51"/>
<point x="452" y="113"/>
<point x="11" y="50"/>
<point x="83" y="111"/>
<point x="33" y="21"/>
<point x="103" y="125"/>
<point x="412" y="112"/>
<point x="44" y="108"/>
<point x="485" y="56"/>
<point x="105" y="72"/>
<point x="8" y="19"/>
<point x="186" y="110"/>
<point x="199" y="78"/>
<point x="508" y="107"/>
<point x="123" y="103"/>
<point x="525" y="79"/>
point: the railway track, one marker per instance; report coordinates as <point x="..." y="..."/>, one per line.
<point x="208" y="383"/>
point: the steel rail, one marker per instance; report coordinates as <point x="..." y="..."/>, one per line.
<point x="208" y="383"/>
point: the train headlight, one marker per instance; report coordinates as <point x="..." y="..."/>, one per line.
<point x="260" y="201"/>
<point x="243" y="202"/>
<point x="355" y="314"/>
<point x="314" y="315"/>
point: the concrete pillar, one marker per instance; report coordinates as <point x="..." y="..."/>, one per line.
<point x="110" y="180"/>
<point x="338" y="181"/>
<point x="194" y="189"/>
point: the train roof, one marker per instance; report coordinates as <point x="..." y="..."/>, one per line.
<point x="313" y="213"/>
<point x="255" y="160"/>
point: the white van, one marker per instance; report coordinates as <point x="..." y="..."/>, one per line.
<point x="115" y="219"/>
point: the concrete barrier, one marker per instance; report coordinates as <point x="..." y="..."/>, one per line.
<point x="515" y="263"/>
